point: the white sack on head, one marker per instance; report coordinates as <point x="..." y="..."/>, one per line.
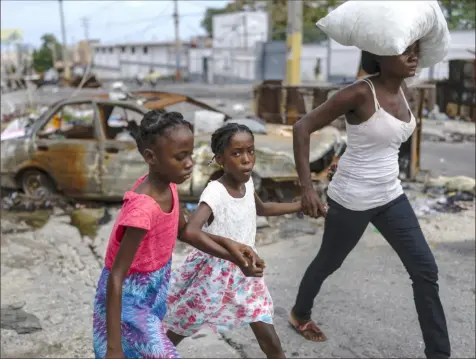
<point x="387" y="28"/>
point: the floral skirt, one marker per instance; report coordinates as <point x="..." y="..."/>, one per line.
<point x="210" y="291"/>
<point x="143" y="309"/>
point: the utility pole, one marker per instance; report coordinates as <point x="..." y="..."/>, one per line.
<point x="294" y="42"/>
<point x="178" y="46"/>
<point x="293" y="61"/>
<point x="269" y="5"/>
<point x="52" y="47"/>
<point x="245" y="30"/>
<point x="85" y="22"/>
<point x="65" y="49"/>
<point x="329" y="54"/>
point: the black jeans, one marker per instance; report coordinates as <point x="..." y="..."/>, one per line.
<point x="398" y="223"/>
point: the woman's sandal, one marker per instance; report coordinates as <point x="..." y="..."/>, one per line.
<point x="308" y="330"/>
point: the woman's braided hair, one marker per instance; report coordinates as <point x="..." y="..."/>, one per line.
<point x="222" y="136"/>
<point x="156" y="123"/>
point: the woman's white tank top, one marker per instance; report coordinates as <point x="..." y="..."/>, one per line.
<point x="367" y="173"/>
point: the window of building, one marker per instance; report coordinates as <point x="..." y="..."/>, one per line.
<point x="133" y="49"/>
<point x="145" y="49"/>
<point x="123" y="49"/>
<point x="110" y="50"/>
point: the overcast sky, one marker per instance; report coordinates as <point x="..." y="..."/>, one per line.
<point x="109" y="21"/>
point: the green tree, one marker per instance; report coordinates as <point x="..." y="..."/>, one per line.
<point x="312" y="12"/>
<point x="460" y="14"/>
<point x="43" y="57"/>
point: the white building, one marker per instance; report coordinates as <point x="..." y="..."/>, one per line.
<point x="128" y="60"/>
<point x="345" y="60"/>
<point x="230" y="60"/>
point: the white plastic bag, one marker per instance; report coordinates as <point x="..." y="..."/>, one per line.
<point x="207" y="121"/>
<point x="387" y="28"/>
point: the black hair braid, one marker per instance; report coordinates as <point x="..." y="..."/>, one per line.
<point x="156" y="123"/>
<point x="221" y="137"/>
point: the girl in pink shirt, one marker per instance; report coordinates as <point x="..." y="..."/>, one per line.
<point x="130" y="300"/>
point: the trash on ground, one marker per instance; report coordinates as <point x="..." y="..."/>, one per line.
<point x="441" y="201"/>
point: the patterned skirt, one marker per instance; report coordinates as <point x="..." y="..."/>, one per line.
<point x="143" y="309"/>
<point x="211" y="291"/>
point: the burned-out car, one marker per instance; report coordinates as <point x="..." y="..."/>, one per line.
<point x="82" y="148"/>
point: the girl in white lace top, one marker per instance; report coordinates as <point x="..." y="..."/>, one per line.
<point x="206" y="290"/>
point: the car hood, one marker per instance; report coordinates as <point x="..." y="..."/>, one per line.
<point x="274" y="150"/>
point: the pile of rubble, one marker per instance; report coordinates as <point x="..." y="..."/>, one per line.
<point x="19" y="202"/>
<point x="446" y="194"/>
<point x="448" y="131"/>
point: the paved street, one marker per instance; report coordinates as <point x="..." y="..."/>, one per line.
<point x="449" y="159"/>
<point x="365" y="308"/>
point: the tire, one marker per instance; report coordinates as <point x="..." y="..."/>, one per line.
<point x="37" y="184"/>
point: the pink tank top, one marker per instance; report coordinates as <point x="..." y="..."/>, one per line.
<point x="142" y="211"/>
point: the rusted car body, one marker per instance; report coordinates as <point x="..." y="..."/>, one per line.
<point x="81" y="147"/>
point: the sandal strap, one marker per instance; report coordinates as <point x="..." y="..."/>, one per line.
<point x="309" y="326"/>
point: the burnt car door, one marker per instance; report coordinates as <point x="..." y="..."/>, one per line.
<point x="66" y="146"/>
<point x="121" y="162"/>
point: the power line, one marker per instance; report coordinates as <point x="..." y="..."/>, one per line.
<point x="107" y="5"/>
<point x="141" y="30"/>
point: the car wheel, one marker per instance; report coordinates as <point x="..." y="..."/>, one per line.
<point x="37" y="184"/>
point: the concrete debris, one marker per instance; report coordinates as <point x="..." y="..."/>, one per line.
<point x="444" y="204"/>
<point x="453" y="184"/>
<point x="448" y="131"/>
<point x="19" y="202"/>
<point x="261" y="222"/>
<point x="15" y="318"/>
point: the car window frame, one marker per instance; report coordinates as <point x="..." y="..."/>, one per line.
<point x="103" y="120"/>
<point x="48" y="116"/>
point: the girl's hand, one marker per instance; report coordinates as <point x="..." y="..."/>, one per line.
<point x="311" y="205"/>
<point x="253" y="270"/>
<point x="115" y="354"/>
<point x="242" y="253"/>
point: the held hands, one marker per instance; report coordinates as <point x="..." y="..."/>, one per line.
<point x="311" y="205"/>
<point x="246" y="258"/>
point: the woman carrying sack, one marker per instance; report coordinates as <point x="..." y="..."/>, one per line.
<point x="365" y="187"/>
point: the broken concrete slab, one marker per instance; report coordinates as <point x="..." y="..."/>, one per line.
<point x="453" y="184"/>
<point x="261" y="222"/>
<point x="15" y="318"/>
<point x="448" y="131"/>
